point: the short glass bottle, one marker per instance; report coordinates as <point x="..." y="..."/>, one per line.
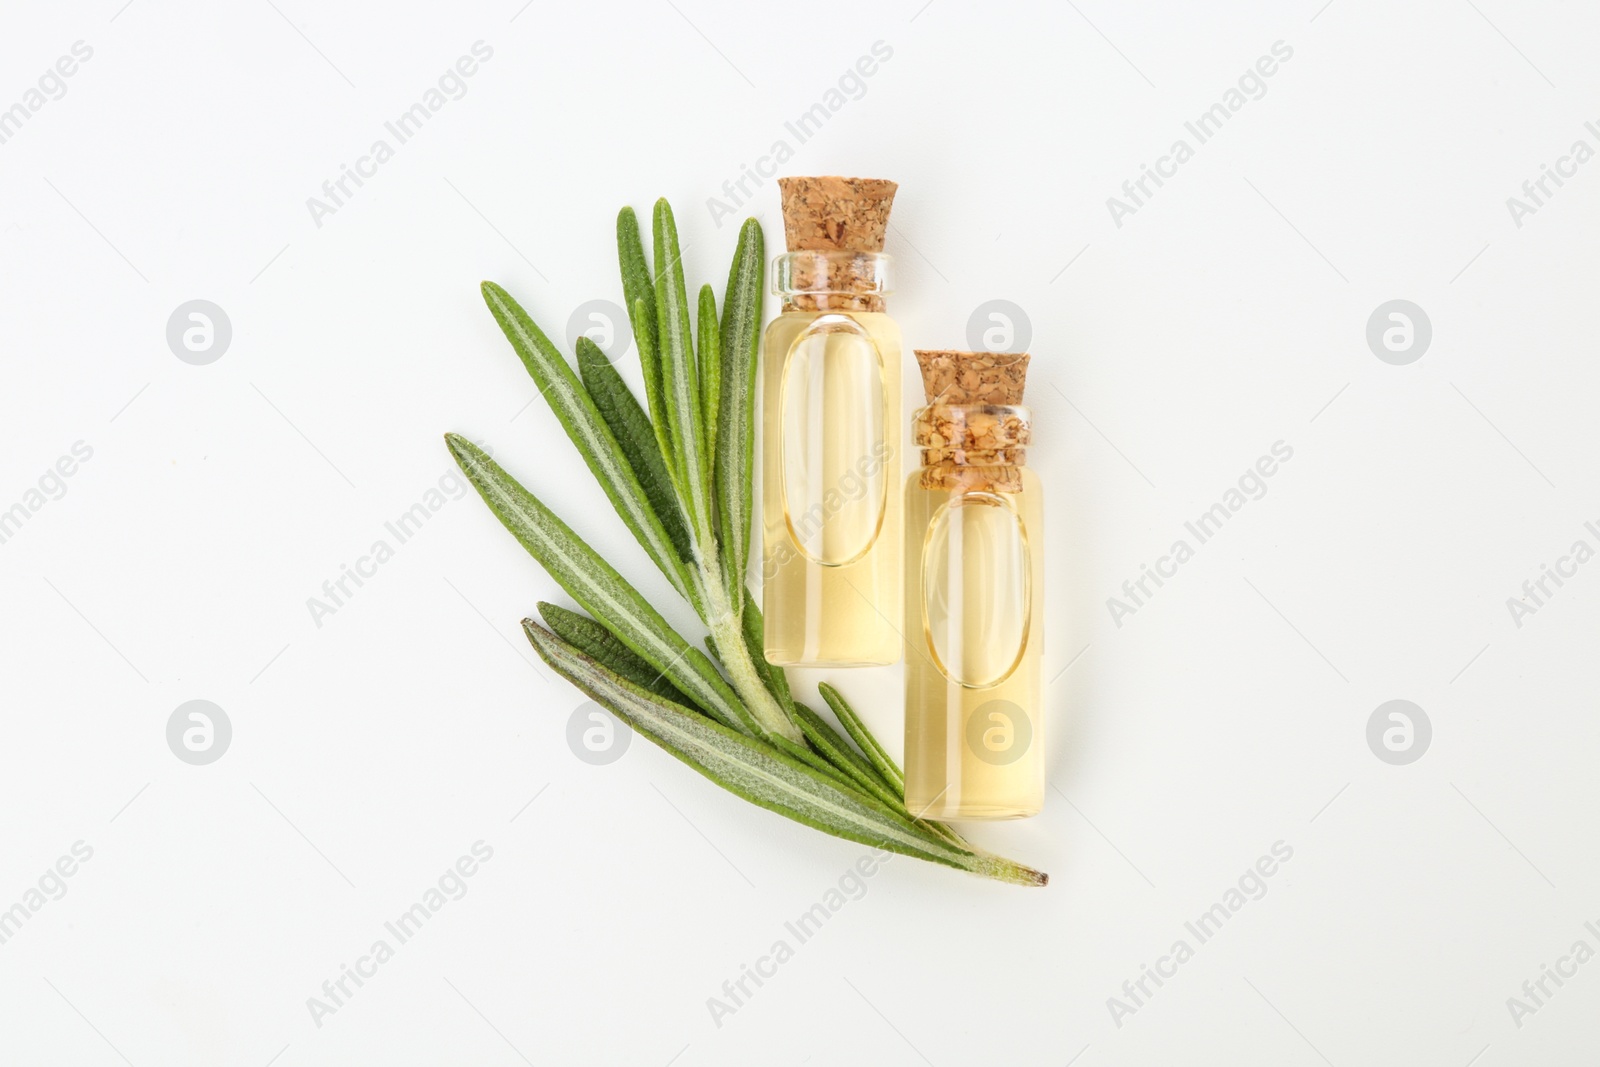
<point x="974" y="520"/>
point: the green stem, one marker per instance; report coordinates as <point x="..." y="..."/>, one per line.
<point x="728" y="632"/>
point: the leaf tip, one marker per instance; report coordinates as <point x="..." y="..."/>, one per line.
<point x="462" y="449"/>
<point x="495" y="296"/>
<point x="663" y="220"/>
<point x="536" y="634"/>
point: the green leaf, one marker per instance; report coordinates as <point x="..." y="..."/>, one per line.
<point x="755" y="641"/>
<point x="881" y="765"/>
<point x="803" y="752"/>
<point x="828" y="741"/>
<point x="636" y="283"/>
<point x="637" y="438"/>
<point x="680" y="381"/>
<point x="875" y="753"/>
<point x="735" y="435"/>
<point x="650" y="361"/>
<point x="639" y="293"/>
<point x="576" y="410"/>
<point x="760" y="774"/>
<point x="597" y="586"/>
<point x="708" y="349"/>
<point x="605" y="648"/>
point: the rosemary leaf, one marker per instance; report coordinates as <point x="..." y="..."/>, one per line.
<point x="761" y="774"/>
<point x="650" y="363"/>
<point x="734" y="459"/>
<point x="637" y="438"/>
<point x="597" y="586"/>
<point x="804" y="753"/>
<point x="639" y="293"/>
<point x="828" y="741"/>
<point x="708" y="349"/>
<point x="576" y="410"/>
<point x="605" y="648"/>
<point x="875" y="753"/>
<point x="680" y="380"/>
<point x="882" y="764"/>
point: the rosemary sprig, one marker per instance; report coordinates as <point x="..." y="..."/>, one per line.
<point x="678" y="470"/>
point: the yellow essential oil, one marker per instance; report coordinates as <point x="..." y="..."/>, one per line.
<point x="973" y="613"/>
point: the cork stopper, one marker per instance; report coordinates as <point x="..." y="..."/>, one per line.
<point x="834" y="214"/>
<point x="974" y="432"/>
<point x="951" y="377"/>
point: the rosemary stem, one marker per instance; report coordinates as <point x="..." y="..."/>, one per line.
<point x="722" y="619"/>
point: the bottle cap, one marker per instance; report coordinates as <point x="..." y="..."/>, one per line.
<point x="952" y="377"/>
<point x="832" y="214"/>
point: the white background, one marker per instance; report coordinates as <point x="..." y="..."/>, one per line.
<point x="1230" y="712"/>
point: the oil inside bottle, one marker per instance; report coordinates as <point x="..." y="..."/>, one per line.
<point x="974" y="737"/>
<point x="830" y="393"/>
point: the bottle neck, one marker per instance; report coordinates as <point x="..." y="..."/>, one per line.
<point x="976" y="447"/>
<point x="831" y="281"/>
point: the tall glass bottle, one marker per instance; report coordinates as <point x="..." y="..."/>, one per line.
<point x="830" y="432"/>
<point x="974" y="523"/>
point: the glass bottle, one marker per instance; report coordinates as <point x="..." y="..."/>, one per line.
<point x="974" y="520"/>
<point x="830" y="426"/>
